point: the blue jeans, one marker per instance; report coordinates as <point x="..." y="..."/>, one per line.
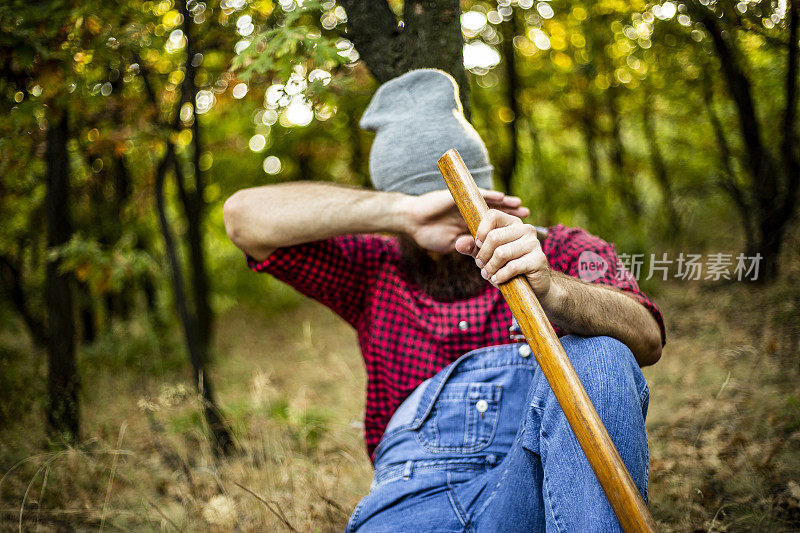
<point x="484" y="446"/>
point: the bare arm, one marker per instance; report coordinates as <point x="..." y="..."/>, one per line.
<point x="504" y="247"/>
<point x="262" y="219"/>
<point x="592" y="309"/>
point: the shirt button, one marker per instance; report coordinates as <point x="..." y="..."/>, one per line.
<point x="524" y="351"/>
<point x="482" y="406"/>
<point x="463" y="325"/>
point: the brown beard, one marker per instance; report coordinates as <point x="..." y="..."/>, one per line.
<point x="453" y="276"/>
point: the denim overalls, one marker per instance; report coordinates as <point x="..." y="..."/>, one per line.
<point x="435" y="465"/>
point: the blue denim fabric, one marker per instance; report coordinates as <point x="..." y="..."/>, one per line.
<point x="484" y="446"/>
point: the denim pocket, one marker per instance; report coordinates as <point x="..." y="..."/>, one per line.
<point x="463" y="418"/>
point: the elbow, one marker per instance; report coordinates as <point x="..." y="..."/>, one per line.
<point x="651" y="352"/>
<point x="233" y="217"/>
<point x="653" y="356"/>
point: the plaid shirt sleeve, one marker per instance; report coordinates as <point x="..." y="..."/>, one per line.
<point x="564" y="247"/>
<point x="336" y="272"/>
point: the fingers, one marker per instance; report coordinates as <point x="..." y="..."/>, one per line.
<point x="491" y="220"/>
<point x="529" y="265"/>
<point x="492" y="197"/>
<point x="465" y="244"/>
<point x="506" y="247"/>
<point x="499" y="199"/>
<point x="499" y="241"/>
<point x="507" y="253"/>
<point x="519" y="212"/>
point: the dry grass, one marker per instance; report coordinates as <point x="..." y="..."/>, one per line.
<point x="724" y="428"/>
<point x="292" y="388"/>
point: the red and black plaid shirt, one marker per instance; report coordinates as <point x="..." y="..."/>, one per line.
<point x="405" y="335"/>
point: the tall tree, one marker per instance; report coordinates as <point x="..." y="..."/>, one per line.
<point x="63" y="414"/>
<point x="657" y="163"/>
<point x="774" y="177"/>
<point x="427" y="36"/>
<point x="510" y="29"/>
<point x="191" y="295"/>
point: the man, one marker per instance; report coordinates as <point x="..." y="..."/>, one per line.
<point x="463" y="429"/>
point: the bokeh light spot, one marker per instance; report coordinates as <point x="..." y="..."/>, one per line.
<point x="299" y="112"/>
<point x="272" y="165"/>
<point x="239" y="90"/>
<point x="257" y="142"/>
<point x="480" y="55"/>
<point x="473" y="21"/>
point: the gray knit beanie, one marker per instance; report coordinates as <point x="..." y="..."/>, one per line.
<point x="417" y="117"/>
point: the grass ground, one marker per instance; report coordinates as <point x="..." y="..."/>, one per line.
<point x="724" y="429"/>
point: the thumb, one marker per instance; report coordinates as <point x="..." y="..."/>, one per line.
<point x="465" y="244"/>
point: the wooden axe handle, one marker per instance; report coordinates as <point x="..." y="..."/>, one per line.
<point x="581" y="414"/>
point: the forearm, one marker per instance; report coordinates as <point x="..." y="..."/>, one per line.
<point x="593" y="309"/>
<point x="261" y="219"/>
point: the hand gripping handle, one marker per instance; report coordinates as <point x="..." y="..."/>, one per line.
<point x="615" y="479"/>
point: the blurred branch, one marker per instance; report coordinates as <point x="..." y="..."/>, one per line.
<point x="196" y="322"/>
<point x="626" y="185"/>
<point x="740" y="89"/>
<point x="13" y="285"/>
<point x="277" y="511"/>
<point x="789" y="147"/>
<point x="727" y="179"/>
<point x="658" y="163"/>
<point x="763" y="33"/>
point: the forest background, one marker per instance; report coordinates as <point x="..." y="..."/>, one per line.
<point x="149" y="380"/>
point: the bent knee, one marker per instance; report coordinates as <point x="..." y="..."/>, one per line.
<point x="596" y="350"/>
<point x="607" y="369"/>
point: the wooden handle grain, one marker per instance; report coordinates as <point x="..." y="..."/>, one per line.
<point x="567" y="387"/>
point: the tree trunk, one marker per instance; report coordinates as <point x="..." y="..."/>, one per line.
<point x="88" y="319"/>
<point x="428" y="37"/>
<point x="594" y="43"/>
<point x="195" y="316"/>
<point x="790" y="148"/>
<point x="63" y="415"/>
<point x="590" y="141"/>
<point x="195" y="341"/>
<point x="358" y="159"/>
<point x="728" y="179"/>
<point x="509" y="30"/>
<point x="545" y="213"/>
<point x="659" y="167"/>
<point x="193" y="199"/>
<point x="198" y="327"/>
<point x="13" y="285"/>
<point x="121" y="303"/>
<point x="626" y="185"/>
<point x="770" y="189"/>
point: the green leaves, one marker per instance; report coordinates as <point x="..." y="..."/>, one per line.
<point x="104" y="269"/>
<point x="291" y="40"/>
